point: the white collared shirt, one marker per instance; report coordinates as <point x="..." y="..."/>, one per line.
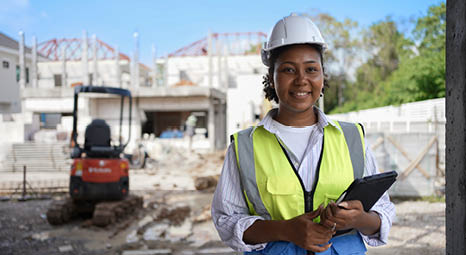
<point x="230" y="212"/>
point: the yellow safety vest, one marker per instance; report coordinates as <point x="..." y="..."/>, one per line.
<point x="271" y="184"/>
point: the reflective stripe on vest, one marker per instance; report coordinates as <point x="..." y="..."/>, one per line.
<point x="271" y="186"/>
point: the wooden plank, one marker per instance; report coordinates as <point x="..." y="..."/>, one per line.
<point x="377" y="143"/>
<point x="416" y="162"/>
<point x="405" y="154"/>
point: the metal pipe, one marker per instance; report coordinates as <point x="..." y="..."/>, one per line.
<point x="84" y="59"/>
<point x="22" y="68"/>
<point x="24" y="182"/>
<point x="34" y="62"/>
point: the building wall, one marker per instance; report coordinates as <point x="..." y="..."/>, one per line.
<point x="196" y="69"/>
<point x="9" y="86"/>
<point x="106" y="73"/>
<point x="240" y="77"/>
<point x="243" y="102"/>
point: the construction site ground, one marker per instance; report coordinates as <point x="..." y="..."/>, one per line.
<point x="176" y="217"/>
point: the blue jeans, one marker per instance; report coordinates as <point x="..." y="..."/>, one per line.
<point x="341" y="245"/>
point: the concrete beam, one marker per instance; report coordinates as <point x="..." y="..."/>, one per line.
<point x="185" y="91"/>
<point x="456" y="127"/>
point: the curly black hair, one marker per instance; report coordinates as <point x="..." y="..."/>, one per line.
<point x="269" y="90"/>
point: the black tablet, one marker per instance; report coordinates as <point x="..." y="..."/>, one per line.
<point x="368" y="189"/>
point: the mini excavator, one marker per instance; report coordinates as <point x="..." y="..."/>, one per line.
<point x="99" y="177"/>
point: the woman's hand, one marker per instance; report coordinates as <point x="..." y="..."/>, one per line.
<point x="307" y="234"/>
<point x="300" y="230"/>
<point x="351" y="214"/>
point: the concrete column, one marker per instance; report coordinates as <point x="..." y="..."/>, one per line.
<point x="219" y="63"/>
<point x="117" y="67"/>
<point x="33" y="76"/>
<point x="95" y="77"/>
<point x="456" y="127"/>
<point x="84" y="59"/>
<point x="209" y="56"/>
<point x="165" y="72"/>
<point x="211" y="125"/>
<point x="225" y="66"/>
<point x="63" y="67"/>
<point x="154" y="63"/>
<point x="22" y="66"/>
<point x="136" y="59"/>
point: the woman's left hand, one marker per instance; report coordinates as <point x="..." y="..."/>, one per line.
<point x="346" y="215"/>
<point x="350" y="214"/>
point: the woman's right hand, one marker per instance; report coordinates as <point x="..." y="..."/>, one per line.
<point x="307" y="234"/>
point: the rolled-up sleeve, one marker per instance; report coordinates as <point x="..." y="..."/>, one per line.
<point x="383" y="207"/>
<point x="230" y="213"/>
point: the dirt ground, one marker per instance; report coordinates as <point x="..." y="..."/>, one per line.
<point x="176" y="219"/>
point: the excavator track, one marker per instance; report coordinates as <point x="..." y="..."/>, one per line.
<point x="60" y="211"/>
<point x="105" y="213"/>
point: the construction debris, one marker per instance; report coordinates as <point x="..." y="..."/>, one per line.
<point x="206" y="182"/>
<point x="176" y="215"/>
<point x="65" y="248"/>
<point x="205" y="215"/>
<point x="148" y="252"/>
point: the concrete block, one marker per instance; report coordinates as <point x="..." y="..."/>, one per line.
<point x="148" y="252"/>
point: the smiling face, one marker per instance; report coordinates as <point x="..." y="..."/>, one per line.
<point x="298" y="80"/>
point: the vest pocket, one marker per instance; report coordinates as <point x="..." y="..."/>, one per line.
<point x="283" y="198"/>
<point x="330" y="198"/>
<point x="281" y="186"/>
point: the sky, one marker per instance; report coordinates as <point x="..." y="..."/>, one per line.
<point x="173" y="24"/>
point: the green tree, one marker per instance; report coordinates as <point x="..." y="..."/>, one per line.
<point x="341" y="56"/>
<point x="384" y="46"/>
<point x="422" y="76"/>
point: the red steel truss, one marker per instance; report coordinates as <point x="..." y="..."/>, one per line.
<point x="240" y="43"/>
<point x="52" y="49"/>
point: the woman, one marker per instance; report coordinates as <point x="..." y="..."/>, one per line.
<point x="280" y="178"/>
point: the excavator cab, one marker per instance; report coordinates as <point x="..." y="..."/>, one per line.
<point x="99" y="172"/>
<point x="99" y="181"/>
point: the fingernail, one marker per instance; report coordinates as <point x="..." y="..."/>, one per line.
<point x="343" y="204"/>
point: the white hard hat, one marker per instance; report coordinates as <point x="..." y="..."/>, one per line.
<point x="293" y="29"/>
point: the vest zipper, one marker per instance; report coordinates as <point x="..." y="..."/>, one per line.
<point x="307" y="197"/>
<point x="314" y="186"/>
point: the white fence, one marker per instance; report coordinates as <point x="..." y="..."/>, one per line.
<point x="409" y="138"/>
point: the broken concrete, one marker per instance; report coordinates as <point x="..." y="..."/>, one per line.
<point x="206" y="182"/>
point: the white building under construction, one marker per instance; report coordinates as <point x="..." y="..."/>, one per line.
<point x="218" y="79"/>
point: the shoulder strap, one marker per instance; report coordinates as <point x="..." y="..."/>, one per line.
<point x="354" y="141"/>
<point x="246" y="166"/>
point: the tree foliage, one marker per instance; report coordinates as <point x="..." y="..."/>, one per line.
<point x="343" y="44"/>
<point x="397" y="67"/>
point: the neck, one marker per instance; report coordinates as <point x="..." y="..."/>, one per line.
<point x="296" y="119"/>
